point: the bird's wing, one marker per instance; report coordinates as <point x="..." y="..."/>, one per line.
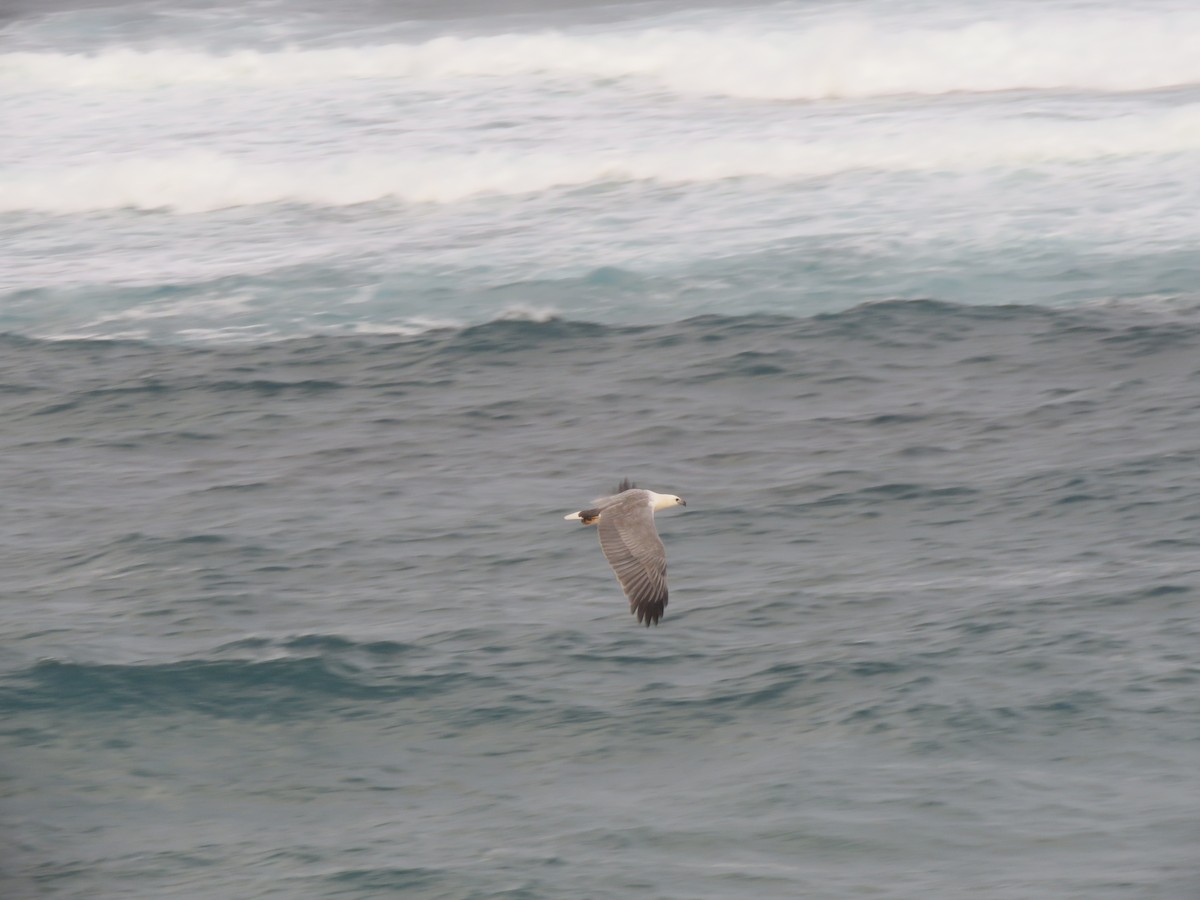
<point x="632" y="546"/>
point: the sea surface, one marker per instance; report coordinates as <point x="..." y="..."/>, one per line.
<point x="315" y="319"/>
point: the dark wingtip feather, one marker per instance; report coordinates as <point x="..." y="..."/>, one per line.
<point x="648" y="613"/>
<point x="625" y="485"/>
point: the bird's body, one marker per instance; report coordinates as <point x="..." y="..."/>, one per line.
<point x="625" y="522"/>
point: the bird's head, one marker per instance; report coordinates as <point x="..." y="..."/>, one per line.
<point x="666" y="501"/>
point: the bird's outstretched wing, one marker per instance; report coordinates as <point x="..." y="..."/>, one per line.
<point x="634" y="550"/>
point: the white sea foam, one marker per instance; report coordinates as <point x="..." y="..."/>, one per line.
<point x="848" y="57"/>
<point x="413" y="327"/>
<point x="522" y="312"/>
<point x="200" y="182"/>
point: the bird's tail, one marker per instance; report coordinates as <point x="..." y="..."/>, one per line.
<point x="573" y="517"/>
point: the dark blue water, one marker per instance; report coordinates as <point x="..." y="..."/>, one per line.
<point x="303" y="619"/>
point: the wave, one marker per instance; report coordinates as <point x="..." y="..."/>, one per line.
<point x="224" y="687"/>
<point x="1137" y="327"/>
<point x="849" y="58"/>
<point x="205" y="181"/>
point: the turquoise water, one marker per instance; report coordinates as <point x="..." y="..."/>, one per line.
<point x="316" y="323"/>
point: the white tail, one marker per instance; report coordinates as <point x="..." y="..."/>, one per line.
<point x="574" y="517"/>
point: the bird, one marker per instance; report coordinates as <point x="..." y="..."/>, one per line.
<point x="625" y="522"/>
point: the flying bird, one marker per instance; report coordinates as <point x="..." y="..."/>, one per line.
<point x="632" y="546"/>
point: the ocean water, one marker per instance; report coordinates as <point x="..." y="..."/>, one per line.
<point x="316" y="319"/>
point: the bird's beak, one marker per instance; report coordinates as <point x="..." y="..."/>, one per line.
<point x="682" y="502"/>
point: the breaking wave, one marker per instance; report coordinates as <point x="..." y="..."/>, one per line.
<point x="826" y="59"/>
<point x="204" y="181"/>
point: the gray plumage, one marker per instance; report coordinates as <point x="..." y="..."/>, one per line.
<point x="625" y="522"/>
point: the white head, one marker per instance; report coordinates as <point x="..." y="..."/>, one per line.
<point x="665" y="501"/>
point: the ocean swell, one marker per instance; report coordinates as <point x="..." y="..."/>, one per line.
<point x="233" y="687"/>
